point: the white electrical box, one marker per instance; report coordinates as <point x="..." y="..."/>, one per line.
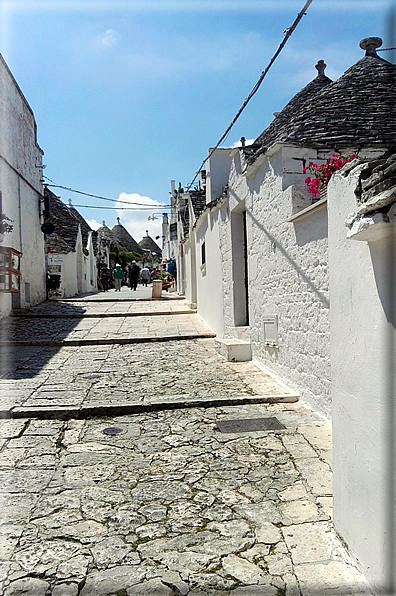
<point x="270" y="331"/>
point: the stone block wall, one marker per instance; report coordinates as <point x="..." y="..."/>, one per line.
<point x="287" y="272"/>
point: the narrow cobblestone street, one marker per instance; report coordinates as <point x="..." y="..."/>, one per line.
<point x="117" y="480"/>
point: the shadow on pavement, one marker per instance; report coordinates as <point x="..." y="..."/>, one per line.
<point x="26" y="361"/>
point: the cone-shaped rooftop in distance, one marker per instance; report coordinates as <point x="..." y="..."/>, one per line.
<point x="105" y="232"/>
<point x="123" y="239"/>
<point x="147" y="243"/>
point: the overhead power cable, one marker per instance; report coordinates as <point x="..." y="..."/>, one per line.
<point x="287" y="33"/>
<point x="152" y="208"/>
<point x="87" y="194"/>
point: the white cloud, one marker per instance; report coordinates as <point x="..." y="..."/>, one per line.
<point x="109" y="39"/>
<point x="93" y="224"/>
<point x="239" y="144"/>
<point x="136" y="221"/>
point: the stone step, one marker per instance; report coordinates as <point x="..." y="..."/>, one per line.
<point x="234" y="350"/>
<point x="87" y="410"/>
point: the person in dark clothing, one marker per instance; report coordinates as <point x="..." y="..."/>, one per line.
<point x="134" y="271"/>
<point x="105" y="278"/>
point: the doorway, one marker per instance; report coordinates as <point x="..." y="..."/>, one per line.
<point x="240" y="270"/>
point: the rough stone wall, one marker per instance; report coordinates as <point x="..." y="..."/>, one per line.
<point x="287" y="271"/>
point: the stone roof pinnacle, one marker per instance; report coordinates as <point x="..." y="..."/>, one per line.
<point x="320" y="67"/>
<point x="370" y="44"/>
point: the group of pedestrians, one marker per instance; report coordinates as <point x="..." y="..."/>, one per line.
<point x="130" y="276"/>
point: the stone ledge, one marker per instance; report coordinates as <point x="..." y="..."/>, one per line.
<point x="234" y="350"/>
<point x="27" y="315"/>
<point x="105" y="341"/>
<point x="122" y="409"/>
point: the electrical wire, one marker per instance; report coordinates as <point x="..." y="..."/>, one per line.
<point x="152" y="208"/>
<point x="256" y="87"/>
<point x="287" y="33"/>
<point x="87" y="194"/>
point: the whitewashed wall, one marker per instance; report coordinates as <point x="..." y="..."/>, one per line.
<point x="362" y="278"/>
<point x="20" y="174"/>
<point x="189" y="259"/>
<point x="210" y="275"/>
<point x="77" y="279"/>
<point x="287" y="271"/>
<point x="217" y="171"/>
<point x="90" y="269"/>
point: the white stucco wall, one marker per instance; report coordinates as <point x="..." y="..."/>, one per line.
<point x="287" y="272"/>
<point x="69" y="274"/>
<point x="89" y="268"/>
<point x="362" y="278"/>
<point x="217" y="171"/>
<point x="71" y="285"/>
<point x="189" y="260"/>
<point x="20" y="173"/>
<point x="209" y="275"/>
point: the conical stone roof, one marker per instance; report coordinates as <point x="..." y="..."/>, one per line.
<point x="354" y="111"/>
<point x="278" y="129"/>
<point x="105" y="232"/>
<point x="123" y="239"/>
<point x="147" y="243"/>
<point x="66" y="221"/>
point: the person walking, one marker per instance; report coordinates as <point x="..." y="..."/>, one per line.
<point x="134" y="271"/>
<point x="145" y="276"/>
<point x="171" y="269"/>
<point x="105" y="278"/>
<point x="118" y="275"/>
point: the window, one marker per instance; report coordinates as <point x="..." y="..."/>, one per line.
<point x="203" y="253"/>
<point x="10" y="270"/>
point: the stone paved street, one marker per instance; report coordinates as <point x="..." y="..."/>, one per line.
<point x="168" y="505"/>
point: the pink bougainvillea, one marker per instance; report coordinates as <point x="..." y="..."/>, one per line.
<point x="323" y="173"/>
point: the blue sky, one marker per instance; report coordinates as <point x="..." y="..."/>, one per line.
<point x="130" y="94"/>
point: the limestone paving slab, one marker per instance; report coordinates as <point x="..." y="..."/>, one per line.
<point x="81" y="381"/>
<point x="93" y="322"/>
<point x="168" y="505"/>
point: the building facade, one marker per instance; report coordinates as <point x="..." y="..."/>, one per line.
<point x="22" y="250"/>
<point x="362" y="267"/>
<point x="270" y="265"/>
<point x="71" y="250"/>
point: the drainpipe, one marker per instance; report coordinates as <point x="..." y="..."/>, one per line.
<point x="20" y="215"/>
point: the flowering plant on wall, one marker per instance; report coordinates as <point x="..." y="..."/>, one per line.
<point x="4" y="226"/>
<point x="324" y="172"/>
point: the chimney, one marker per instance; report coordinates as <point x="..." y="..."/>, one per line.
<point x="202" y="179"/>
